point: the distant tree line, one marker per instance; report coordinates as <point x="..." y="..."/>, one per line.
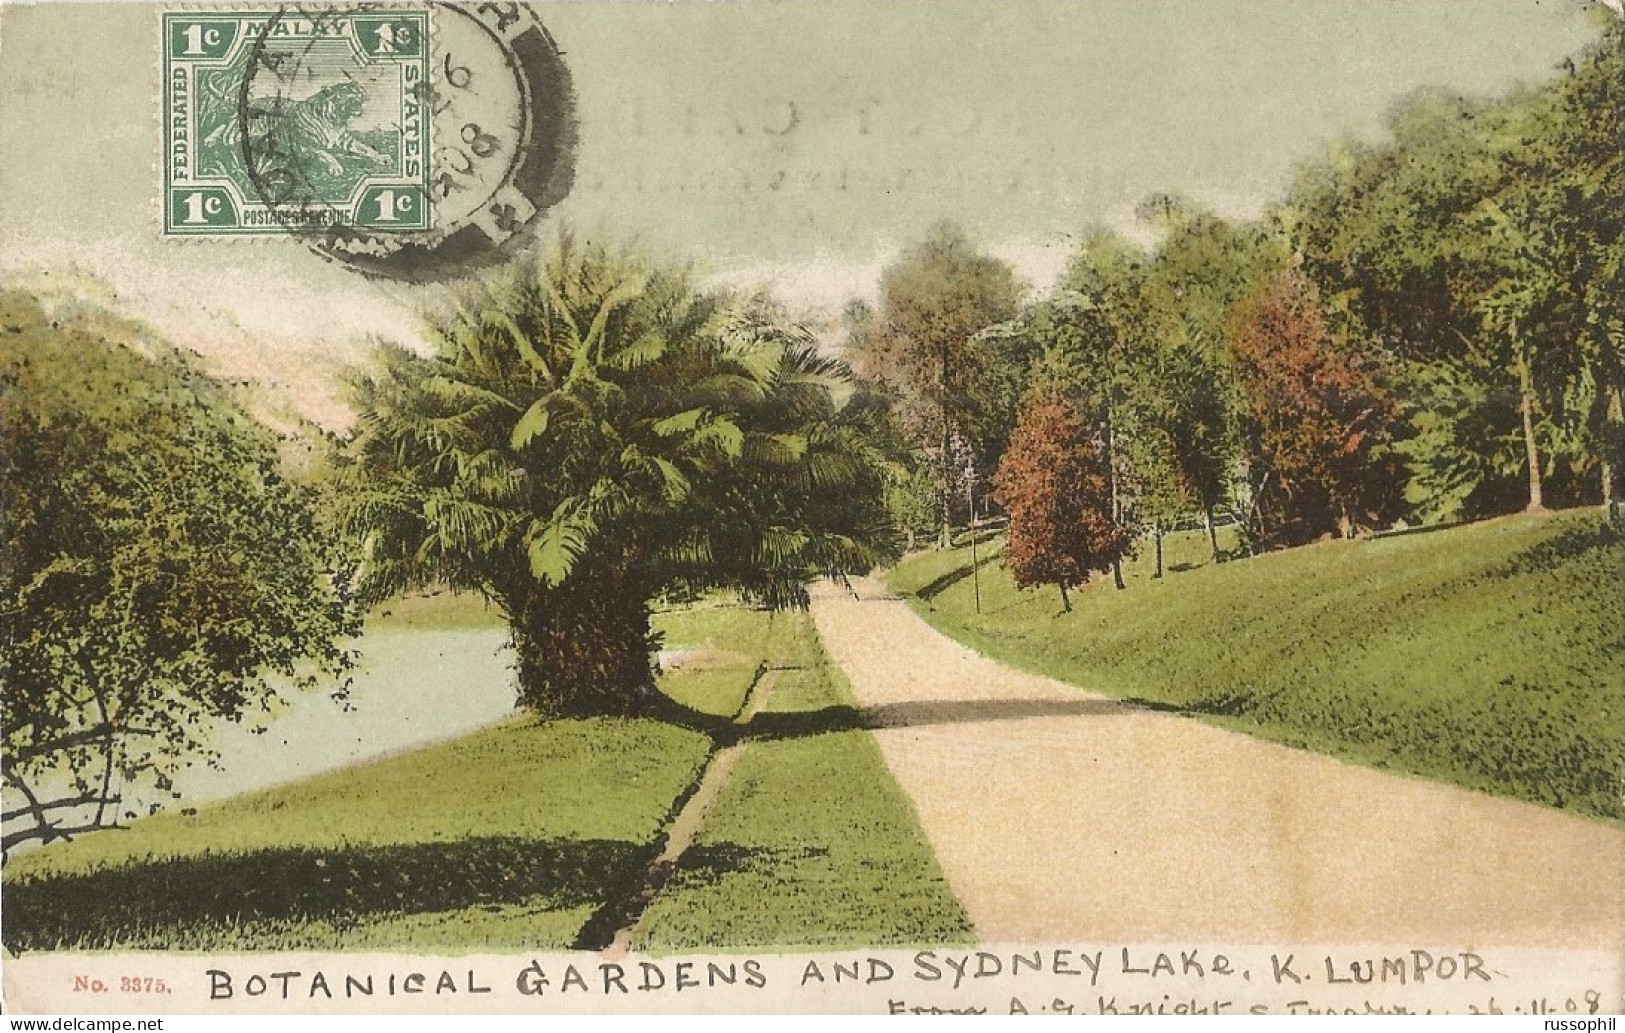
<point x="1424" y="329"/>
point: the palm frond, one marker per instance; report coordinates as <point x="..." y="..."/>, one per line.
<point x="532" y="424"/>
<point x="680" y="423"/>
<point x="646" y="349"/>
<point x="526" y="348"/>
<point x="721" y="433"/>
<point x="730" y="389"/>
<point x="556" y="545"/>
<point x="454" y="391"/>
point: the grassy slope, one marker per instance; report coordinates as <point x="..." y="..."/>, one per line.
<point x="505" y="839"/>
<point x="1489" y="655"/>
<point x="508" y="837"/>
<point x="811" y="842"/>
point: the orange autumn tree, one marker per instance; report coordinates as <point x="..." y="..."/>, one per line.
<point x="1318" y="420"/>
<point x="1054" y="483"/>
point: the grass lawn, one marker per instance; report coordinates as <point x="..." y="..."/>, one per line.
<point x="1490" y="655"/>
<point x="720" y="649"/>
<point x="505" y="839"/>
<point x="441" y="610"/>
<point x="811" y="843"/>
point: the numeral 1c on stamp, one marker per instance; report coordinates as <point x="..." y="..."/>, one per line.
<point x="408" y="142"/>
<point x="276" y="122"/>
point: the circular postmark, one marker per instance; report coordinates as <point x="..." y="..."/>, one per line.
<point x="414" y="143"/>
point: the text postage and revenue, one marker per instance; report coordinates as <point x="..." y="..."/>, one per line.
<point x="278" y="122"/>
<point x="413" y="143"/>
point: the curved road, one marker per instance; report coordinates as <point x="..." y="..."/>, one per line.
<point x="1058" y="814"/>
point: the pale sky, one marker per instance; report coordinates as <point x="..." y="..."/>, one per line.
<point x="796" y="142"/>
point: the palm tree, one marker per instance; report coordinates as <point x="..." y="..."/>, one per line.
<point x="595" y="432"/>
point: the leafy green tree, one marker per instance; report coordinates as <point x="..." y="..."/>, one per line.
<point x="1055" y="483"/>
<point x="1483" y="240"/>
<point x="911" y="498"/>
<point x="593" y="432"/>
<point x="159" y="574"/>
<point x="926" y="345"/>
<point x="1380" y="229"/>
<point x="1589" y="122"/>
<point x="1193" y="412"/>
<point x="1156" y="496"/>
<point x="1463" y="452"/>
<point x="1204" y="266"/>
<point x="1552" y="255"/>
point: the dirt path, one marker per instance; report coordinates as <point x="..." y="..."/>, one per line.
<point x="1058" y="815"/>
<point x="680" y="832"/>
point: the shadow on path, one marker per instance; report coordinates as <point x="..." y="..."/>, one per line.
<point x="919" y="713"/>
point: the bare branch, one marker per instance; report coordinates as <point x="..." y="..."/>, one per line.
<point x="49" y="833"/>
<point x="36" y="807"/>
<point x="100" y="733"/>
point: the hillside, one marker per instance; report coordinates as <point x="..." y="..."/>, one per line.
<point x="1488" y="655"/>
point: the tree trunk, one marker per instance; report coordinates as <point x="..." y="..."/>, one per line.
<point x="584" y="649"/>
<point x="1612" y="433"/>
<point x="1526" y="409"/>
<point x="1111" y="482"/>
<point x="1066" y="600"/>
<point x="1212" y="532"/>
<point x="1156" y="534"/>
<point x="1258" y="526"/>
<point x="107" y="762"/>
<point x="945" y="490"/>
<point x="1111" y="467"/>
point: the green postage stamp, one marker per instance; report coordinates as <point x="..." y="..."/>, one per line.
<point x="295" y="121"/>
<point x="407" y="141"/>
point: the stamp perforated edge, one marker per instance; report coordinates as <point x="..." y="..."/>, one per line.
<point x="158" y="172"/>
<point x="161" y="167"/>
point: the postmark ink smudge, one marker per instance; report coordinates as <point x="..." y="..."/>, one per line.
<point x="414" y="143"/>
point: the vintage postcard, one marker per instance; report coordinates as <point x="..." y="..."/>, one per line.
<point x="1101" y="507"/>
